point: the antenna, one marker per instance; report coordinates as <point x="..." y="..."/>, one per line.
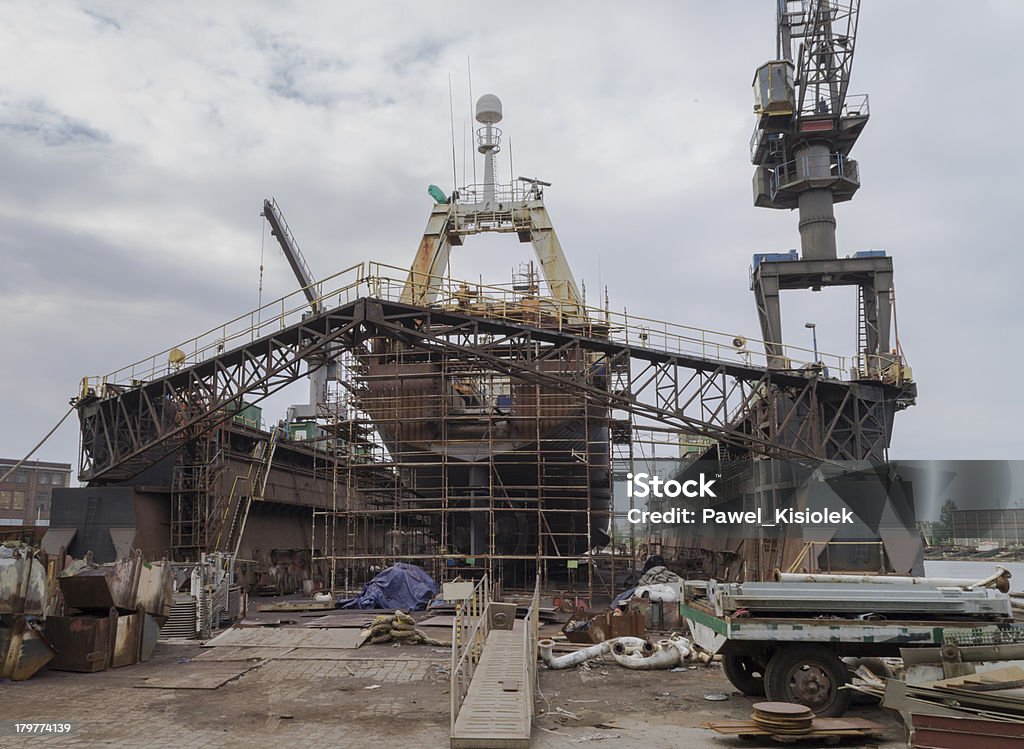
<point x="451" y="116"/>
<point x="511" y="167"/>
<point x="469" y="76"/>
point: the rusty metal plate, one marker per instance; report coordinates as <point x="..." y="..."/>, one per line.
<point x="950" y="732"/>
<point x="197" y="675"/>
<point x="291" y="638"/>
<point x="135" y="637"/>
<point x="229" y="653"/>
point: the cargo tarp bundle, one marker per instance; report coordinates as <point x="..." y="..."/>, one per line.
<point x="401" y="586"/>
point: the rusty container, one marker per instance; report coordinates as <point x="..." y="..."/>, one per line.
<point x="83" y="643"/>
<point x="125" y="585"/>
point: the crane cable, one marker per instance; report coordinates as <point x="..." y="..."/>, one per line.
<point x="38" y="445"/>
<point x="263" y="239"/>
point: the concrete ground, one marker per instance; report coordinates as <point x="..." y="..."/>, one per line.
<point x="329" y="703"/>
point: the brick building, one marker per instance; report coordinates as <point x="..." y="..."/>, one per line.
<point x="25" y="494"/>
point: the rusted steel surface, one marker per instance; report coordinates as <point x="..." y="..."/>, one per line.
<point x="605" y="626"/>
<point x="948" y="732"/>
<point x="135" y="637"/>
<point x="23" y="651"/>
<point x="83" y="643"/>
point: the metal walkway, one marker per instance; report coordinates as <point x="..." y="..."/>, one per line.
<point x="497" y="711"/>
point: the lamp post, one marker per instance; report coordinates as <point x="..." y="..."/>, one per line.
<point x="814" y="338"/>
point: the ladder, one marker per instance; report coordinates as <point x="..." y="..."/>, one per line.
<point x="259" y="473"/>
<point x="863" y="363"/>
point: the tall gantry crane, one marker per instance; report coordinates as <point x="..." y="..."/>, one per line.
<point x="807" y="125"/>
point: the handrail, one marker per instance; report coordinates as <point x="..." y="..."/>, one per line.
<point x="531" y="629"/>
<point x="469" y="632"/>
<point x="273" y="315"/>
<point x="503" y="302"/>
<point x="499" y="301"/>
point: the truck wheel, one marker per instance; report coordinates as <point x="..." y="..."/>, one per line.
<point x="810" y="675"/>
<point x="744" y="673"/>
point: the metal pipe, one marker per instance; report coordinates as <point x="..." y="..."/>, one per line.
<point x="681" y="644"/>
<point x="666" y="655"/>
<point x="1000" y="580"/>
<point x="554" y="662"/>
<point x="632" y="646"/>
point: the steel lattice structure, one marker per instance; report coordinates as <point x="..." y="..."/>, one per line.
<point x="749" y="408"/>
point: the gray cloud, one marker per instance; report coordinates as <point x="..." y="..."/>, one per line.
<point x="138" y="142"/>
<point x="36" y="120"/>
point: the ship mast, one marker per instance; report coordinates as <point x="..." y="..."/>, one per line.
<point x="516" y="207"/>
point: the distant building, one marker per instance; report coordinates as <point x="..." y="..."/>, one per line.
<point x="973" y="527"/>
<point x="25" y="495"/>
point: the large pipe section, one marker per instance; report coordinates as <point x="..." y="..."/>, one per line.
<point x="570" y="659"/>
<point x="626" y="646"/>
<point x="630" y="652"/>
<point x="1000" y="580"/>
<point x="667" y="654"/>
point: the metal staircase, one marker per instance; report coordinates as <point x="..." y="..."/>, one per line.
<point x="259" y="472"/>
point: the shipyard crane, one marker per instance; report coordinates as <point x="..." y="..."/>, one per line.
<point x="322" y="365"/>
<point x="283" y="233"/>
<point x="807" y="125"/>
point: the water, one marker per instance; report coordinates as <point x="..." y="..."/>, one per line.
<point x="976" y="570"/>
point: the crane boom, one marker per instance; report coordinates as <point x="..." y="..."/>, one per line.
<point x="279" y="228"/>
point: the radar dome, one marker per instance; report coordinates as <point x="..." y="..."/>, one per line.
<point x="488" y="109"/>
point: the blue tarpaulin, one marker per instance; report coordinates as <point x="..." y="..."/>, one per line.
<point x="401" y="586"/>
<point x="622" y="599"/>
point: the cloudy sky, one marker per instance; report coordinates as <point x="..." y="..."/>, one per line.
<point x="138" y="140"/>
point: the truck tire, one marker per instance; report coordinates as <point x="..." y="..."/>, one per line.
<point x="744" y="673"/>
<point x="809" y="675"/>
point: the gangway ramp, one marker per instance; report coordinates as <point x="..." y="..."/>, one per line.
<point x="498" y="708"/>
<point x="494" y="672"/>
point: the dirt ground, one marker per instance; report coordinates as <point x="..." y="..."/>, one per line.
<point x="374" y="696"/>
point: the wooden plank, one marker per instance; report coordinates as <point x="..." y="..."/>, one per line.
<point x="822" y="727"/>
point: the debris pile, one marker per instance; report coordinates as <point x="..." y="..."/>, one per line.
<point x="787" y="722"/>
<point x="76" y="615"/>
